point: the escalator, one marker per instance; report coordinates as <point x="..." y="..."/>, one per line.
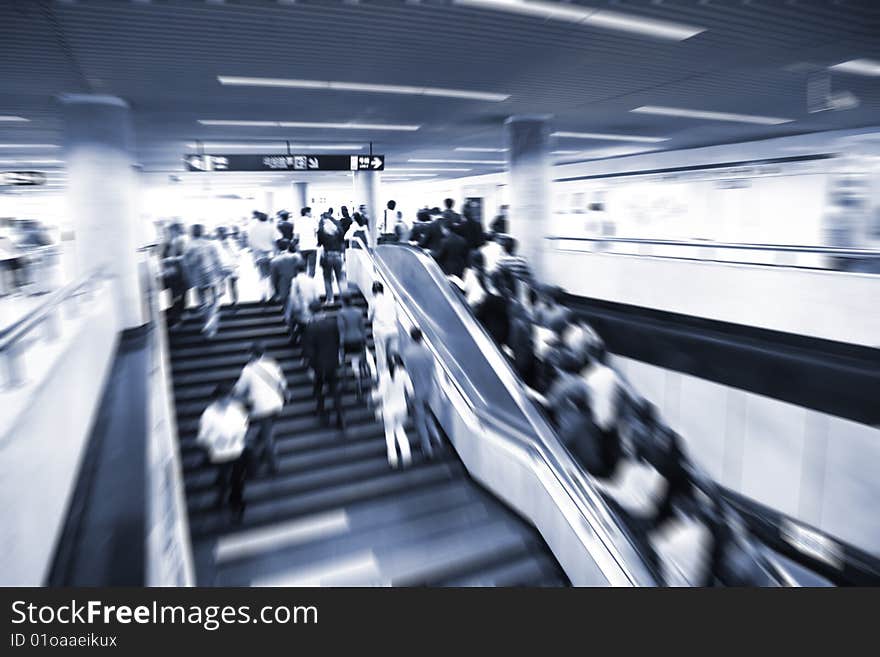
<point x="336" y="514"/>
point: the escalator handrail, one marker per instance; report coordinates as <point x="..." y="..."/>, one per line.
<point x="547" y="449"/>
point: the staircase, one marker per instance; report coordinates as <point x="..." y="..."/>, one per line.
<point x="336" y="513"/>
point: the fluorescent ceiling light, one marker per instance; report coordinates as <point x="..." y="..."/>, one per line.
<point x="278" y="145"/>
<point x="358" y="86"/>
<point x="599" y="153"/>
<point x="604" y="136"/>
<point x="469" y="149"/>
<point x="565" y="152"/>
<point x="408" y="175"/>
<point x="602" y="18"/>
<point x="29" y="161"/>
<point x="308" y="124"/>
<point x="420" y="169"/>
<point x="439" y="161"/>
<point x="29" y="146"/>
<point x="858" y="66"/>
<point x="13" y="119"/>
<point x="711" y="116"/>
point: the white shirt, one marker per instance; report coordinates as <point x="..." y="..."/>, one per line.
<point x="303" y="290"/>
<point x="602" y="382"/>
<point x="383" y="313"/>
<point x="492" y="253"/>
<point x="262" y="235"/>
<point x="222" y="431"/>
<point x="229" y="255"/>
<point x="307" y="229"/>
<point x="394" y="392"/>
<point x="262" y="381"/>
<point x="473" y="290"/>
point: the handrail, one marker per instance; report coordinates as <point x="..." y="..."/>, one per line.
<point x="18" y="330"/>
<point x="580" y="491"/>
<point x="831" y="250"/>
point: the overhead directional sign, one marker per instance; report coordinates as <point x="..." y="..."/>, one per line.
<point x="295" y="162"/>
<point x="22" y="178"/>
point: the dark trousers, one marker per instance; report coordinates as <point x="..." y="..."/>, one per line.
<point x="233" y="288"/>
<point x="332" y="266"/>
<point x="231" y="476"/>
<point x="178" y="305"/>
<point x="311" y="258"/>
<point x="331" y="379"/>
<point x="265" y="441"/>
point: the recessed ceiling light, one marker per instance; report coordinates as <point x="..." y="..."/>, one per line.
<point x="277" y="145"/>
<point x="604" y="136"/>
<point x="363" y="87"/>
<point x="13" y="119"/>
<point x="441" y="161"/>
<point x="308" y="124"/>
<point x="858" y="66"/>
<point x="603" y="18"/>
<point x="470" y="149"/>
<point x="711" y="116"/>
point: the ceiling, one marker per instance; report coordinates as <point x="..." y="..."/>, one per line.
<point x="164" y="56"/>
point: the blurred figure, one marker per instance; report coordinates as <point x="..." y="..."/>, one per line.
<point x="303" y="291"/>
<point x="204" y="272"/>
<point x="471" y="229"/>
<point x="332" y="239"/>
<point x="283" y="268"/>
<point x="358" y="229"/>
<point x="307" y="234"/>
<point x="514" y="267"/>
<point x="493" y="313"/>
<point x="320" y="347"/>
<point x="261" y="237"/>
<point x="450" y="218"/>
<point x="499" y="223"/>
<point x="285" y="227"/>
<point x="394" y="390"/>
<point x="223" y="428"/>
<point x="473" y="283"/>
<point x="383" y="315"/>
<point x="452" y="256"/>
<point x="421" y="369"/>
<point x="345" y="221"/>
<point x="492" y="252"/>
<point x="263" y="386"/>
<point x="353" y="340"/>
<point x="174" y="274"/>
<point x="229" y="261"/>
<point x="388" y="216"/>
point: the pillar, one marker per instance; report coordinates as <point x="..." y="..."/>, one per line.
<point x="269" y="202"/>
<point x="366" y="192"/>
<point x="528" y="152"/>
<point x="101" y="191"/>
<point x="300" y="197"/>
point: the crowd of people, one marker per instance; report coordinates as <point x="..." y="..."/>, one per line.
<point x="638" y="462"/>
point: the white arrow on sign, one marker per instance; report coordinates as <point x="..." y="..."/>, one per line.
<point x="376" y="163"/>
<point x="197" y="162"/>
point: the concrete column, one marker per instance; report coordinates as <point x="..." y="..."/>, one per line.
<point x="300" y="197"/>
<point x="528" y="143"/>
<point x="366" y="192"/>
<point x="102" y="192"/>
<point x="269" y="202"/>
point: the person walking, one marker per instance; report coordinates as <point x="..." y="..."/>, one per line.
<point x="320" y="348"/>
<point x="331" y="239"/>
<point x="383" y="315"/>
<point x="222" y="433"/>
<point x="421" y="368"/>
<point x="283" y="268"/>
<point x="261" y="237"/>
<point x="353" y="340"/>
<point x="204" y="272"/>
<point x="285" y="227"/>
<point x="303" y="291"/>
<point x="393" y="392"/>
<point x="307" y="234"/>
<point x="229" y="257"/>
<point x="263" y="386"/>
<point x="452" y="256"/>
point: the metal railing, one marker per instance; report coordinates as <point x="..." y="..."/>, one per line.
<point x="17" y="337"/>
<point x="782" y="255"/>
<point x="524" y="433"/>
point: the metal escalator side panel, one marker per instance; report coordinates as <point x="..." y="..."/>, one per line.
<point x="549" y="488"/>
